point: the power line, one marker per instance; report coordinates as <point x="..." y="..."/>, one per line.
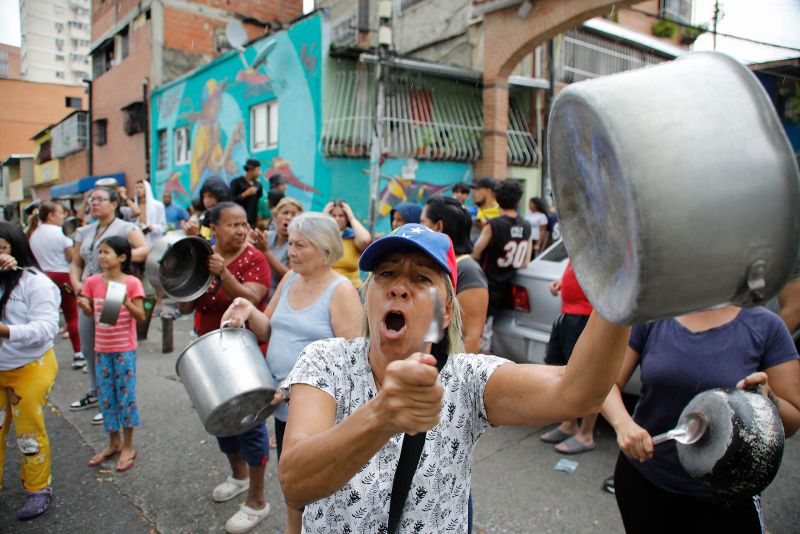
<point x="715" y="33"/>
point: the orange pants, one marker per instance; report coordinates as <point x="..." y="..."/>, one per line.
<point x="23" y="394"/>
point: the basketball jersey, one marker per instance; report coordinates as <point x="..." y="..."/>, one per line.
<point x="507" y="250"/>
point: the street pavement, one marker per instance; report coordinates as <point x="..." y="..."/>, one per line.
<point x="515" y="486"/>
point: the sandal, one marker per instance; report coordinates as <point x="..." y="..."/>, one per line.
<point x="555" y="436"/>
<point x="101" y="456"/>
<point x="573" y="446"/>
<point x="36" y="503"/>
<point x="246" y="519"/>
<point x="126" y="464"/>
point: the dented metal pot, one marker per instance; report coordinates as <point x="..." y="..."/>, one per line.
<point x="676" y="187"/>
<point x="742" y="447"/>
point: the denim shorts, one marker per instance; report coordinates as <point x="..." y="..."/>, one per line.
<point x="252" y="445"/>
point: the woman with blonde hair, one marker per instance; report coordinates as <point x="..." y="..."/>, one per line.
<point x="312" y="302"/>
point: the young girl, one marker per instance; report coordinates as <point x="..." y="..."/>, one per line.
<point x="116" y="349"/>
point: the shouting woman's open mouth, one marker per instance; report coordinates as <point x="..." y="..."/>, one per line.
<point x="393" y="325"/>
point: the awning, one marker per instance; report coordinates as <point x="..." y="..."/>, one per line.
<point x="82" y="185"/>
<point x="425" y="117"/>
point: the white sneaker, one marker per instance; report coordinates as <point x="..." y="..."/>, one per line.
<point x="230" y="489"/>
<point x="245" y="519"/>
<point x="98" y="419"/>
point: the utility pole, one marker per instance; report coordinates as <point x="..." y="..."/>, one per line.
<point x="716" y="19"/>
<point x="384" y="46"/>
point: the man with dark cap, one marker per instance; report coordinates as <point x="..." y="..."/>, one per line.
<point x="247" y="190"/>
<point x="277" y="190"/>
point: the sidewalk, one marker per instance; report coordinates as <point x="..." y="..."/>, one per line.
<point x="178" y="464"/>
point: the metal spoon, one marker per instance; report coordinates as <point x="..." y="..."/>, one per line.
<point x="434" y="333"/>
<point x="690" y="428"/>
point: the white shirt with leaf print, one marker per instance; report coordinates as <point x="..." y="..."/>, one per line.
<point x="437" y="499"/>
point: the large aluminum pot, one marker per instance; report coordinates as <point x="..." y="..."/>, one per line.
<point x="226" y="377"/>
<point x="178" y="264"/>
<point x="676" y="187"/>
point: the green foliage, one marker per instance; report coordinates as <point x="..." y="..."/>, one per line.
<point x="664" y="28"/>
<point x="690" y="33"/>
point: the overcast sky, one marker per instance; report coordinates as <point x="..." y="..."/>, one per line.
<point x="772" y="21"/>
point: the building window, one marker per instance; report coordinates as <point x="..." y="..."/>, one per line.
<point x="136" y="118"/>
<point x="407" y="4"/>
<point x="59" y="57"/>
<point x="59" y="44"/>
<point x="161" y="160"/>
<point x="121" y="44"/>
<point x="182" y="146"/>
<point x="59" y="27"/>
<point x="676" y="10"/>
<point x="73" y="102"/>
<point x="264" y="126"/>
<point x="100" y="132"/>
<point x="60" y="75"/>
<point x="44" y="153"/>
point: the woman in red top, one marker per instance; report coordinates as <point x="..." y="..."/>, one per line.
<point x="569" y="437"/>
<point x="242" y="271"/>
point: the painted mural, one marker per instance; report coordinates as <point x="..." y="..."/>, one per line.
<point x="215" y="102"/>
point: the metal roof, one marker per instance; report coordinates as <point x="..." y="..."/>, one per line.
<point x="622" y="33"/>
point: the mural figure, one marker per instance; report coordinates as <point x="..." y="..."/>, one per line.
<point x="284" y="168"/>
<point x="400" y="190"/>
<point x="211" y="156"/>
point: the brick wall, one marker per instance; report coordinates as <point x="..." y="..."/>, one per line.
<point x="29" y="107"/>
<point x="113" y="90"/>
<point x="73" y="167"/>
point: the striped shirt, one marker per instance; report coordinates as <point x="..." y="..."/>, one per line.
<point x="121" y="337"/>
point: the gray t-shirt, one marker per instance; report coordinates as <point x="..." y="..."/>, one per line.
<point x="470" y="275"/>
<point x="89" y="242"/>
<point x="281" y="252"/>
<point x="293" y="330"/>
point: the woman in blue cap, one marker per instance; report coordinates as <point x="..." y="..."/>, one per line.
<point x="405" y="213"/>
<point x="350" y="454"/>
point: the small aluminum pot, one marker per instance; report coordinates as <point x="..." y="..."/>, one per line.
<point x="178" y="264"/>
<point x="677" y="188"/>
<point x="113" y="303"/>
<point x="226" y="377"/>
<point x="70" y="226"/>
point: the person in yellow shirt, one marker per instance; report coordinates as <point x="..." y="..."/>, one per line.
<point x="484" y="205"/>
<point x="355" y="239"/>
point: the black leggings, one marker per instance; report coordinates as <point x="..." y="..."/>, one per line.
<point x="646" y="508"/>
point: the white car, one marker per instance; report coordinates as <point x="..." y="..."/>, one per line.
<point x="521" y="333"/>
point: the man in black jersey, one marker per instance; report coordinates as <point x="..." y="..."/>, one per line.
<point x="503" y="246"/>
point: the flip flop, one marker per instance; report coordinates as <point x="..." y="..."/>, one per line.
<point x="128" y="464"/>
<point x="100" y="457"/>
<point x="555" y="436"/>
<point x="574" y="447"/>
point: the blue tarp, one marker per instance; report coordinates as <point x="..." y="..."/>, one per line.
<point x="82" y="185"/>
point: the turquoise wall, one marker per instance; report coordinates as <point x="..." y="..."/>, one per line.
<point x="215" y="101"/>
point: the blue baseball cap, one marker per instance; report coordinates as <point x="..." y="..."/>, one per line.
<point x="412" y="237"/>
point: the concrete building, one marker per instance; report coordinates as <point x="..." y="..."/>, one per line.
<point x="140" y="45"/>
<point x="55" y="40"/>
<point x="60" y="154"/>
<point x="9" y="61"/>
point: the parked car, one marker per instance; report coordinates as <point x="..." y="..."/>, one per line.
<point x="521" y="332"/>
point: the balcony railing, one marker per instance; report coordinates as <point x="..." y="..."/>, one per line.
<point x="583" y="56"/>
<point x="424" y="118"/>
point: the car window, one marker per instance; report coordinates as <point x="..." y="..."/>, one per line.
<point x="557" y="252"/>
